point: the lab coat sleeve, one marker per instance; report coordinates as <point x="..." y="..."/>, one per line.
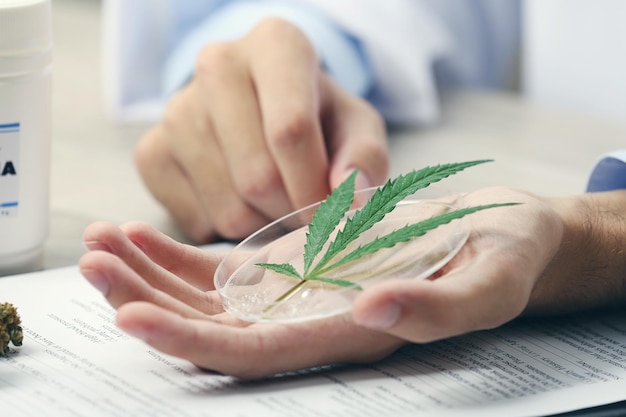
<point x="402" y="48"/>
<point x="418" y="49"/>
<point x="402" y="40"/>
<point x="150" y="48"/>
<point x="134" y="39"/>
<point x="609" y="173"/>
<point x="339" y="52"/>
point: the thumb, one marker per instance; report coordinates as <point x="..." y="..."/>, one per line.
<point x="423" y="311"/>
<point x="407" y="309"/>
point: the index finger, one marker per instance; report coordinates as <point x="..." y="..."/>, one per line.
<point x="194" y="265"/>
<point x="290" y="98"/>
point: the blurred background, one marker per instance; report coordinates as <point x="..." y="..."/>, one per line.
<point x="575" y="56"/>
<point x="92" y="175"/>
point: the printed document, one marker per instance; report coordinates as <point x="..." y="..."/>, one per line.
<point x="75" y="362"/>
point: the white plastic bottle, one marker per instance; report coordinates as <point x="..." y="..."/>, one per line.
<point x="25" y="132"/>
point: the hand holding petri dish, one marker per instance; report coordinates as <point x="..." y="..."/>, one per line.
<point x="313" y="262"/>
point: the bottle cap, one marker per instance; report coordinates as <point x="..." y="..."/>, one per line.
<point x="25" y="27"/>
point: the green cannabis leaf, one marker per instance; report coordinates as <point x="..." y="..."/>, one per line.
<point x="326" y="219"/>
<point x="384" y="201"/>
<point x="330" y="213"/>
<point x="406" y="233"/>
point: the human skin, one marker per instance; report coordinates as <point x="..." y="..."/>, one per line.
<point x="259" y="131"/>
<point x="544" y="256"/>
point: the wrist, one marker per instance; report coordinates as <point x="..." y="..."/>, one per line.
<point x="589" y="268"/>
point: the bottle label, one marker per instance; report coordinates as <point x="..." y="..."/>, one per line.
<point x="9" y="169"/>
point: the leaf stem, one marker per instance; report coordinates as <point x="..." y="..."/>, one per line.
<point x="285" y="296"/>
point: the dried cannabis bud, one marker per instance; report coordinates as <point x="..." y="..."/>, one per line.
<point x="10" y="329"/>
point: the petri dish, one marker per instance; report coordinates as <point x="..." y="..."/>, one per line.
<point x="255" y="294"/>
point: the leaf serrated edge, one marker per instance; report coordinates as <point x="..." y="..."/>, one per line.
<point x="336" y="281"/>
<point x="385" y="200"/>
<point x="284" y="269"/>
<point x="327" y="218"/>
<point x="407" y="233"/>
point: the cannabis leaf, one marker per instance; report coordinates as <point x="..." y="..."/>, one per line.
<point x="330" y="213"/>
<point x="385" y="200"/>
<point x="326" y="219"/>
<point x="285" y="269"/>
<point x="406" y="233"/>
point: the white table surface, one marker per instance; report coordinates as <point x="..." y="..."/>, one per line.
<point x="546" y="151"/>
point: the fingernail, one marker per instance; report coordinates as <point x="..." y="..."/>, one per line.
<point x="94" y="245"/>
<point x="97" y="279"/>
<point x="380" y="318"/>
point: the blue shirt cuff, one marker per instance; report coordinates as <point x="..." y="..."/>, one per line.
<point x="340" y="53"/>
<point x="609" y="173"/>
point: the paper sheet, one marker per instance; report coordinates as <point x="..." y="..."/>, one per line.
<point x="75" y="362"/>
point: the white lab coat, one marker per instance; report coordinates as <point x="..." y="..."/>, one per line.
<point x="413" y="47"/>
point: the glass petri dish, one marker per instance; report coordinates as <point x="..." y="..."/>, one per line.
<point x="256" y="294"/>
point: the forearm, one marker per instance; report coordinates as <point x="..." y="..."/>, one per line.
<point x="589" y="269"/>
